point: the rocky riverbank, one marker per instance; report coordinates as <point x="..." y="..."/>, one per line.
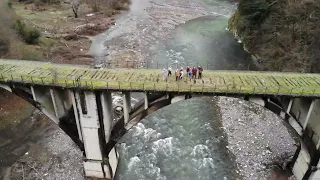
<point x="32" y="146"/>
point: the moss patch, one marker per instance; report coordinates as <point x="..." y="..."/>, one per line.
<point x="293" y="84"/>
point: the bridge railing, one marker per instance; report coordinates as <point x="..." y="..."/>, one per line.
<point x="177" y="65"/>
<point x="180" y="86"/>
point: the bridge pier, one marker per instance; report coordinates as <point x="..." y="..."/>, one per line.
<point x="316" y="174"/>
<point x="89" y="124"/>
<point x="97" y="163"/>
<point x="126" y="106"/>
<point x="106" y="102"/>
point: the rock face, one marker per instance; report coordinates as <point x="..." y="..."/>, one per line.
<point x="283" y="33"/>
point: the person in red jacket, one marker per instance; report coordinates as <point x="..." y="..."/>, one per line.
<point x="194" y="73"/>
<point x="188" y="69"/>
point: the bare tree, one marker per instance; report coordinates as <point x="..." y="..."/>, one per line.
<point x="75" y="7"/>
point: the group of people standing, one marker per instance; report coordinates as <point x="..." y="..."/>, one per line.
<point x="192" y="73"/>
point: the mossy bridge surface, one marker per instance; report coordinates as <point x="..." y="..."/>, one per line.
<point x="218" y="82"/>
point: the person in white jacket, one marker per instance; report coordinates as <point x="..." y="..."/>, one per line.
<point x="164" y="74"/>
<point x="169" y="71"/>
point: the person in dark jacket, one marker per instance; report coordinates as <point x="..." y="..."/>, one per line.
<point x="200" y="69"/>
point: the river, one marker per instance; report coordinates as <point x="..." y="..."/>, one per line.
<point x="193" y="139"/>
<point x="205" y="138"/>
<point x="160" y="33"/>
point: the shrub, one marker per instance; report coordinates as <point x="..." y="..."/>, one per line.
<point x="32" y="36"/>
<point x="10" y="5"/>
<point x="29" y="35"/>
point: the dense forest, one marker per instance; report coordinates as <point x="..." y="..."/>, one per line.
<point x="284" y="35"/>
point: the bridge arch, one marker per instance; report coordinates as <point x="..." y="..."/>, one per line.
<point x="278" y="105"/>
<point x="88" y="92"/>
<point x="45" y="100"/>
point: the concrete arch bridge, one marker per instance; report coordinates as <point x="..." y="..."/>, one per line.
<point x="64" y="91"/>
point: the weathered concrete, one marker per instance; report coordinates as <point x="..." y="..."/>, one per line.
<point x="106" y="101"/>
<point x="54" y="94"/>
<point x="6" y="87"/>
<point x="33" y="93"/>
<point x="126" y="106"/>
<point x="146" y="101"/>
<point x="309" y="114"/>
<point x="76" y="113"/>
<point x="302" y="163"/>
<point x="232" y="82"/>
<point x="53" y="98"/>
<point x="89" y="126"/>
<point x="290" y="105"/>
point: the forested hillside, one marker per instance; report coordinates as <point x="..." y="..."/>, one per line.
<point x="284" y="35"/>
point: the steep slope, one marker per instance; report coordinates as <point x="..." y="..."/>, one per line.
<point x="284" y="35"/>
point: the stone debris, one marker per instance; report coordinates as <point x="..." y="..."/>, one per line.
<point x="257" y="137"/>
<point x="54" y="157"/>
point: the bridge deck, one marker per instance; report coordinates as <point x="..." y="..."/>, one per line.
<point x="236" y="82"/>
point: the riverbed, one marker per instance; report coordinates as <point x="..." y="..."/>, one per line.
<point x="206" y="138"/>
<point x="162" y="33"/>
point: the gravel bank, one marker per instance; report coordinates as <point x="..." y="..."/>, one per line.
<point x="54" y="157"/>
<point x="257" y="137"/>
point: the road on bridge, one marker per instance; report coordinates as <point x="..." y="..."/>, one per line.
<point x="230" y="82"/>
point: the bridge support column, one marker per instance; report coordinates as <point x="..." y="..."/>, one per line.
<point x="126" y="106"/>
<point x="309" y="114"/>
<point x="59" y="101"/>
<point x="33" y="93"/>
<point x="290" y="105"/>
<point x="54" y="103"/>
<point x="76" y="113"/>
<point x="106" y="102"/>
<point x="98" y="164"/>
<point x="146" y="102"/>
<point x="89" y="120"/>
